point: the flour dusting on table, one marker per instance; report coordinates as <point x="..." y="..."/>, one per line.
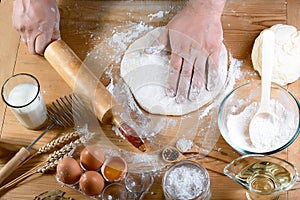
<point x="159" y="14"/>
<point x="107" y="55"/>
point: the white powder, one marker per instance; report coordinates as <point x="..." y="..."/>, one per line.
<point x="234" y="73"/>
<point x="184" y="144"/>
<point x="271" y="138"/>
<point x="159" y="14"/>
<point x="109" y="52"/>
<point x="185" y="182"/>
<point x="110" y="86"/>
<point x="120" y="40"/>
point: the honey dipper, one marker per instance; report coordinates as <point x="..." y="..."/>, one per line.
<point x="99" y="100"/>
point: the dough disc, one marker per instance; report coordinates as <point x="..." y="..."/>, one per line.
<point x="146" y="75"/>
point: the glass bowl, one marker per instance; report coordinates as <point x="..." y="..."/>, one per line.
<point x="186" y="180"/>
<point x="239" y="106"/>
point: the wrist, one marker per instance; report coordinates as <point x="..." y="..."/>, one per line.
<point x="207" y="6"/>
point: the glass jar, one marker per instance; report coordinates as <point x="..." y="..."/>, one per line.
<point x="186" y="180"/>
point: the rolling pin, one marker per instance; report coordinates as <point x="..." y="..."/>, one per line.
<point x="68" y="65"/>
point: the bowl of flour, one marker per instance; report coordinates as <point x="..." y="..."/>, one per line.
<point x="238" y="108"/>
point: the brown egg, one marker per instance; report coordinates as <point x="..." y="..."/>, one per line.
<point x="91" y="183"/>
<point x="92" y="157"/>
<point x="68" y="170"/>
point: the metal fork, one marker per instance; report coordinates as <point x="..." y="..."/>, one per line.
<point x="63" y="112"/>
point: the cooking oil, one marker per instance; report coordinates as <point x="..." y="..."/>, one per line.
<point x="265" y="176"/>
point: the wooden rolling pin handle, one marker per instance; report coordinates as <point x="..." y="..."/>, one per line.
<point x="68" y="65"/>
<point x="129" y="133"/>
<point x="131" y="136"/>
<point x="13" y="163"/>
<point x="79" y="77"/>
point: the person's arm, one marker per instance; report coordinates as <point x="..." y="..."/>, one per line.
<point x="194" y="37"/>
<point x="37" y="21"/>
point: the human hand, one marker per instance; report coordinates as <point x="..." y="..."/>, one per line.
<point x="194" y="37"/>
<point x="37" y="21"/>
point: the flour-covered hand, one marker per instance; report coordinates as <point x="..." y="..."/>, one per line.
<point x="37" y="21"/>
<point x="194" y="37"/>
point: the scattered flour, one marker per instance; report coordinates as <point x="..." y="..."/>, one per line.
<point x="114" y="45"/>
<point x="271" y="138"/>
<point x="109" y="52"/>
<point x="234" y="73"/>
<point x="159" y="14"/>
<point x="184" y="144"/>
<point x="122" y="39"/>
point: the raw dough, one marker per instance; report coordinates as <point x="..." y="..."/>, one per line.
<point x="287" y="52"/>
<point x="146" y="75"/>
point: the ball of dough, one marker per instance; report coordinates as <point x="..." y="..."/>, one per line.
<point x="286" y="67"/>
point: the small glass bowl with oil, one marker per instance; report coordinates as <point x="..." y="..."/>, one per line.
<point x="264" y="177"/>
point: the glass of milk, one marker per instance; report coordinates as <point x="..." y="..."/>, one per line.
<point x="21" y="93"/>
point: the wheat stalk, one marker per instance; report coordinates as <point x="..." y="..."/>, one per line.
<point x="48" y="165"/>
<point x="53" y="159"/>
<point x="54" y="144"/>
<point x="58" y="142"/>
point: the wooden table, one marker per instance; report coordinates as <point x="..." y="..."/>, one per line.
<point x="81" y="20"/>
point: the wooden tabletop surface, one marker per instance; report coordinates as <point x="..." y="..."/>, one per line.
<point x="86" y="23"/>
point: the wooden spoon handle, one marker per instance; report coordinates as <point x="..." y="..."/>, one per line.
<point x="13" y="163"/>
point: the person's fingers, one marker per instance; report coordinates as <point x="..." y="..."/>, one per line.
<point x="198" y="78"/>
<point x="174" y="72"/>
<point x="184" y="81"/>
<point x="56" y="30"/>
<point x="24" y="37"/>
<point x="41" y="41"/>
<point x="159" y="43"/>
<point x="212" y="71"/>
<point x="31" y="42"/>
<point x="55" y="34"/>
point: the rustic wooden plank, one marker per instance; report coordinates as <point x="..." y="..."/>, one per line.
<point x="243" y="21"/>
<point x="85" y="24"/>
<point x="293" y="13"/>
<point x="9" y="47"/>
<point x="293" y="18"/>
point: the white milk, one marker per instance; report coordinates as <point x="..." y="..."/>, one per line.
<point x="33" y="115"/>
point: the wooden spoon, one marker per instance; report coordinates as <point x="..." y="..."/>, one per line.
<point x="171" y="154"/>
<point x="264" y="116"/>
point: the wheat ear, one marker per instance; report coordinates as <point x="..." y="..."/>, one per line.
<point x="54" y="144"/>
<point x="48" y="165"/>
